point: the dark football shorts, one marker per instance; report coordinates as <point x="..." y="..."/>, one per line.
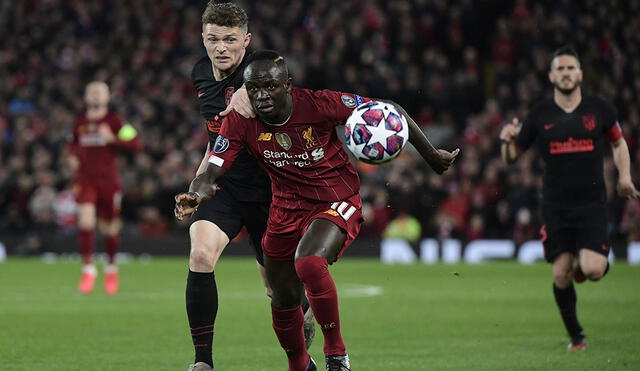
<point x="230" y="215"/>
<point x="573" y="228"/>
<point x="107" y="197"/>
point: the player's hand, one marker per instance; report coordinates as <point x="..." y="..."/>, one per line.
<point x="240" y="102"/>
<point x="445" y="160"/>
<point x="626" y="189"/>
<point x="186" y="204"/>
<point x="106" y="133"/>
<point x="510" y="130"/>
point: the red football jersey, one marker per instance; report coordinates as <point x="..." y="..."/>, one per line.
<point x="97" y="158"/>
<point x="303" y="157"/>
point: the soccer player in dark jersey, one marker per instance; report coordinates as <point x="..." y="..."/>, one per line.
<point x="98" y="135"/>
<point x="245" y="193"/>
<point x="570" y="131"/>
<point x="316" y="209"/>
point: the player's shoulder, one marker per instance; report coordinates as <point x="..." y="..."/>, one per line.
<point x="114" y="117"/>
<point x="543" y="105"/>
<point x="596" y="101"/>
<point x="325" y="95"/>
<point x="201" y="68"/>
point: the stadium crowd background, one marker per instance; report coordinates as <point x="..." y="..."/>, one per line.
<point x="461" y="68"/>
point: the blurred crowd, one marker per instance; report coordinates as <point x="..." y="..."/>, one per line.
<point x="461" y="68"/>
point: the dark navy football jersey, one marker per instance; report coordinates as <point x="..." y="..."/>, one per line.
<point x="246" y="180"/>
<point x="572" y="146"/>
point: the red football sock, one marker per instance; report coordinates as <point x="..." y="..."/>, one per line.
<point x="323" y="298"/>
<point x="85" y="240"/>
<point x="112" y="246"/>
<point x="287" y="323"/>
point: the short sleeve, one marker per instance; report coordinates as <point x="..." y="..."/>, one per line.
<point x="336" y="106"/>
<point x="610" y="126"/>
<point x="229" y="142"/>
<point x="528" y="131"/>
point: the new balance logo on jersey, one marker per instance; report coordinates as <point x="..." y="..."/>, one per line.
<point x="344" y="209"/>
<point x="265" y="137"/>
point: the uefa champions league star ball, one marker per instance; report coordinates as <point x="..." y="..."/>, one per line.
<point x="375" y="132"/>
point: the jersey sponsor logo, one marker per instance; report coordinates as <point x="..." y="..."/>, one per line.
<point x="265" y="137"/>
<point x="348" y="101"/>
<point x="283" y="140"/>
<point x="221" y="145"/>
<point x="308" y="136"/>
<point x="213" y="125"/>
<point x="228" y="93"/>
<point x="280" y="159"/>
<point x="589" y="122"/>
<point x="548" y="126"/>
<point x="571" y="146"/>
<point x="344" y="209"/>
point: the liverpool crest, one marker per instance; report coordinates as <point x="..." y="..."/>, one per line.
<point x="283" y="140"/>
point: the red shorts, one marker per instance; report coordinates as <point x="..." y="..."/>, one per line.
<point x="107" y="198"/>
<point x="287" y="226"/>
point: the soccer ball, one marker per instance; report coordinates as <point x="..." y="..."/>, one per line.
<point x="375" y="132"/>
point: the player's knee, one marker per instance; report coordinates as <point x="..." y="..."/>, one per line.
<point x="593" y="273"/>
<point x="201" y="258"/>
<point x="310" y="268"/>
<point x="562" y="279"/>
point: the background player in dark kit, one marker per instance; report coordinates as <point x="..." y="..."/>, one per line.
<point x="244" y="197"/>
<point x="315" y="212"/>
<point x="570" y="131"/>
<point x="98" y="135"/>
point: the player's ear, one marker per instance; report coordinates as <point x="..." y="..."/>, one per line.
<point x="550" y="76"/>
<point x="287" y="84"/>
<point x="247" y="39"/>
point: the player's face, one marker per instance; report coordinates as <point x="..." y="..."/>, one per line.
<point x="565" y="74"/>
<point x="97" y="94"/>
<point x="269" y="91"/>
<point x="225" y="45"/>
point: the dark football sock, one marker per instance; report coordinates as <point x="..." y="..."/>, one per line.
<point x="566" y="300"/>
<point x="202" y="308"/>
<point x="323" y="297"/>
<point x="287" y="324"/>
<point x="86" y="242"/>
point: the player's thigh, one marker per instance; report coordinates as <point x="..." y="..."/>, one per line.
<point x="323" y="238"/>
<point x="255" y="217"/>
<point x="86" y="216"/>
<point x="592" y="263"/>
<point x="562" y="267"/>
<point x="207" y="242"/>
<point x="110" y="227"/>
<point x="108" y="203"/>
<point x="285" y="285"/>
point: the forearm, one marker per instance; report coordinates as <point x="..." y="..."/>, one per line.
<point x="203" y="163"/>
<point x="417" y="138"/>
<point x="509" y="152"/>
<point x="205" y="183"/>
<point x="622" y="159"/>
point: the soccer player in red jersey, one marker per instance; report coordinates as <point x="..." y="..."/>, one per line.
<point x="316" y="209"/>
<point x="98" y="135"/>
<point x="571" y="131"/>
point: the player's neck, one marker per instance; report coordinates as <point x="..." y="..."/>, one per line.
<point x="94" y="113"/>
<point x="568" y="102"/>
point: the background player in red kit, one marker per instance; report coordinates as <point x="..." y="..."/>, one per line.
<point x="569" y="131"/>
<point x="98" y="135"/>
<point x="316" y="209"/>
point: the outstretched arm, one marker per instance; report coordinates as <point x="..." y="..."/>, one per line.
<point x="202" y="188"/>
<point x="439" y="159"/>
<point x="621" y="159"/>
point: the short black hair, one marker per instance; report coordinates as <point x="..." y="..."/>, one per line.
<point x="564" y="50"/>
<point x="269" y="55"/>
